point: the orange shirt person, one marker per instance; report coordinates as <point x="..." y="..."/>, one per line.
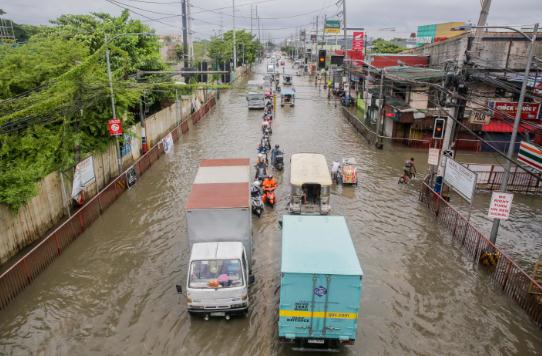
<point x="269" y="183"/>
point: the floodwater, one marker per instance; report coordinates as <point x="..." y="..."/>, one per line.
<point x="113" y="290"/>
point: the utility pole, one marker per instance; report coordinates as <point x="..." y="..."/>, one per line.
<point x="316" y="37"/>
<point x="185" y="31"/>
<point x="234" y="43"/>
<point x="251" y="19"/>
<point x="110" y="77"/>
<point x="378" y="143"/>
<point x="482" y="20"/>
<point x="504" y="184"/>
<point x="344" y="23"/>
<point x="324" y="32"/>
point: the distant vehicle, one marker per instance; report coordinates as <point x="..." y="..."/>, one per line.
<point x="348" y="172"/>
<point x="287" y="96"/>
<point x="219" y="226"/>
<point x="321" y="282"/>
<point x="256" y="100"/>
<point x="310" y="183"/>
<point x="271" y="68"/>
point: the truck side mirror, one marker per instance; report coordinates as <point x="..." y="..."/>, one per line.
<point x="251" y="279"/>
<point x="179" y="289"/>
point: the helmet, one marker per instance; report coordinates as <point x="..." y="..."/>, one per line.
<point x="277" y="147"/>
<point x="256" y="183"/>
<point x="270" y="176"/>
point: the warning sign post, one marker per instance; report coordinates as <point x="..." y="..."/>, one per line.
<point x="500" y="205"/>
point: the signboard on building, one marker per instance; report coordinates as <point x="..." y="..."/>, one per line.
<point x="504" y="109"/>
<point x="500" y="205"/>
<point x="115" y="127"/>
<point x="332" y="26"/>
<point x="358" y="40"/>
<point x="83" y="175"/>
<point x="479" y="117"/>
<point x="531" y="155"/>
<point x="460" y="178"/>
<point x="433" y="156"/>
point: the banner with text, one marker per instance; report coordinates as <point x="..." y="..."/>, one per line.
<point x="332" y="26"/>
<point x="460" y="178"/>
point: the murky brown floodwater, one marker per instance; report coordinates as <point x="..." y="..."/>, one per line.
<point x="113" y="290"/>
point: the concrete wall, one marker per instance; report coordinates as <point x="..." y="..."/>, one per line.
<point x="496" y="50"/>
<point x="50" y="206"/>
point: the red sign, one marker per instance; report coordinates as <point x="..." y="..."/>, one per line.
<point x="115" y="127"/>
<point x="528" y="112"/>
<point x="357" y="41"/>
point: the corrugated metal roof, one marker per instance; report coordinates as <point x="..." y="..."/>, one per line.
<point x="222" y="174"/>
<point x="414" y="73"/>
<point x="218" y="196"/>
<point x="318" y="244"/>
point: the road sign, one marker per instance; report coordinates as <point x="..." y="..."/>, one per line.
<point x="115" y="127"/>
<point x="500" y="205"/>
<point x="433" y="157"/>
<point x="460" y="178"/>
<point x="531" y="155"/>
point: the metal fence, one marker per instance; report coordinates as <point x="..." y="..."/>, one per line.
<point x="490" y="176"/>
<point x="502" y="271"/>
<point x="29" y="266"/>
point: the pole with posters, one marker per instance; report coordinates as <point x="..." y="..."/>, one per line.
<point x="110" y="77"/>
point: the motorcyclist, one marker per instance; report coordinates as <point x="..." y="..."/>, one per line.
<point x="409" y="169"/>
<point x="276" y="150"/>
<point x="261" y="164"/>
<point x="255" y="190"/>
<point x="335" y="167"/>
<point x="269" y="183"/>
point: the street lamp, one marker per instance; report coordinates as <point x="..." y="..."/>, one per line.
<point x="530" y="55"/>
<point x="110" y="77"/>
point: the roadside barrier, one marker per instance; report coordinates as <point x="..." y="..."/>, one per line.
<point x="29" y="266"/>
<point x="503" y="273"/>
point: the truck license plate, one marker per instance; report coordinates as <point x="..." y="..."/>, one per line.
<point x="218" y="314"/>
<point x="315" y="341"/>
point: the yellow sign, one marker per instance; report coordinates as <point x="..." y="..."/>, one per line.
<point x="321" y="315"/>
<point x="332" y="30"/>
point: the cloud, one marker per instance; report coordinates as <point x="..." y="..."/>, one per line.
<point x="373" y="15"/>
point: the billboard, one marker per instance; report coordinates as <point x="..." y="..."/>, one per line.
<point x="332" y="26"/>
<point x="460" y="178"/>
<point x="358" y="39"/>
<point x="437" y="32"/>
<point x="505" y="109"/>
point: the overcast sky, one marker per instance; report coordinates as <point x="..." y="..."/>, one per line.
<point x="373" y="15"/>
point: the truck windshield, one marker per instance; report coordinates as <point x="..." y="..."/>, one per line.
<point x="216" y="274"/>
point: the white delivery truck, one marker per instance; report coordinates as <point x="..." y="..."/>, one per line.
<point x="219" y="225"/>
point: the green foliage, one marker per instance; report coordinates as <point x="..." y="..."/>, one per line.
<point x="56" y="99"/>
<point x="382" y="46"/>
<point x="221" y="49"/>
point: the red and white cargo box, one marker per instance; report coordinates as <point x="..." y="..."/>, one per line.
<point x="218" y="207"/>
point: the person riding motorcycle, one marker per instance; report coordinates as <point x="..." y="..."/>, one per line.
<point x="255" y="190"/>
<point x="269" y="183"/>
<point x="261" y="164"/>
<point x="276" y="150"/>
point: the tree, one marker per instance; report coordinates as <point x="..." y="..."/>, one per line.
<point x="221" y="49"/>
<point x="56" y="98"/>
<point x="382" y="46"/>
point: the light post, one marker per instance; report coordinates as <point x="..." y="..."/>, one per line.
<point x="517" y="120"/>
<point x="110" y="77"/>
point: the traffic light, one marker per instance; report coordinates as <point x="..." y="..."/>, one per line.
<point x="322" y="59"/>
<point x="438" y="129"/>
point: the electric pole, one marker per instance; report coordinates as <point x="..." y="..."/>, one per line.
<point x="185" y="31"/>
<point x="324" y="32"/>
<point x="234" y="43"/>
<point x="251" y="20"/>
<point x="344" y="23"/>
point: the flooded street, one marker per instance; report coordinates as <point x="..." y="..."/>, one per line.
<point x="113" y="290"/>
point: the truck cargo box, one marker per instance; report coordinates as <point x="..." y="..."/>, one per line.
<point x="321" y="282"/>
<point x="218" y="207"/>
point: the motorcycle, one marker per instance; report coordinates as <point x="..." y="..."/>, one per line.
<point x="257" y="205"/>
<point x="278" y="162"/>
<point x="269" y="196"/>
<point x="266" y="142"/>
<point x="261" y="172"/>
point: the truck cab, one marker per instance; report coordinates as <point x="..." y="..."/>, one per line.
<point x="217" y="280"/>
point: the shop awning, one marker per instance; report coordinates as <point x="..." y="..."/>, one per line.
<point x="506" y="127"/>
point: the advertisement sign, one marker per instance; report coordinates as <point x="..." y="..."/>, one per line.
<point x="313" y="37"/>
<point x="531" y="155"/>
<point x="115" y="127"/>
<point x="83" y="175"/>
<point x="434" y="154"/>
<point x="528" y="112"/>
<point x="167" y="142"/>
<point x="500" y="205"/>
<point x="358" y="41"/>
<point x="332" y="26"/>
<point x="479" y="117"/>
<point x="460" y="178"/>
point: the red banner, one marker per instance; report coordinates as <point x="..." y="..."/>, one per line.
<point x="358" y="41"/>
<point x="115" y="127"/>
<point x="529" y="111"/>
